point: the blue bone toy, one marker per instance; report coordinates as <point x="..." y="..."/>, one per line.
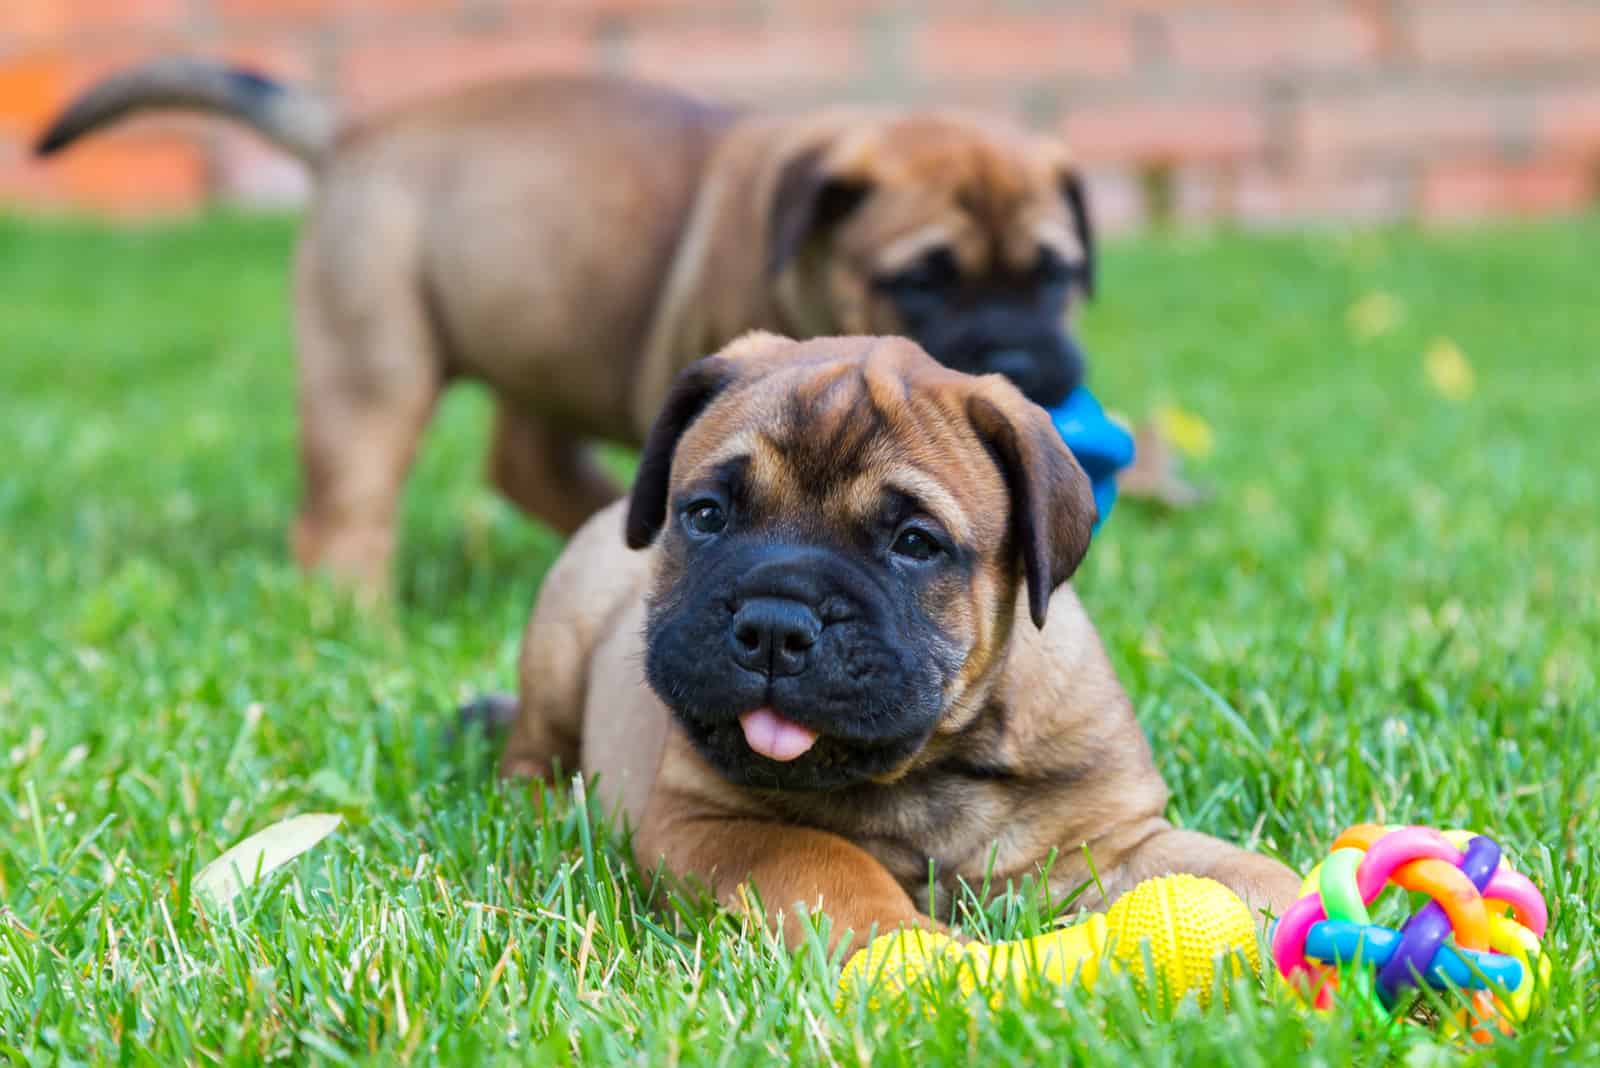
<point x="1101" y="446"/>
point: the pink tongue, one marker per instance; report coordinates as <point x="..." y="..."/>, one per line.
<point x="774" y="737"/>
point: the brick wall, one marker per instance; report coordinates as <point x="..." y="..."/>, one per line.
<point x="1267" y="111"/>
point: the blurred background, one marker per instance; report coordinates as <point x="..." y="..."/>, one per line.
<point x="1264" y="112"/>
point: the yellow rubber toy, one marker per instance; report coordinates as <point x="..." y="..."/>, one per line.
<point x="1184" y="925"/>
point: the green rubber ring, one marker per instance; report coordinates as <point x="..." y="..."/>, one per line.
<point x="1341" y="899"/>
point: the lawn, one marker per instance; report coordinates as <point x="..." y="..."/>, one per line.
<point x="1390" y="610"/>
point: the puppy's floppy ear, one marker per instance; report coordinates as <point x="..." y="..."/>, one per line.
<point x="1077" y="199"/>
<point x="1052" y="507"/>
<point x="806" y="200"/>
<point x="696" y="386"/>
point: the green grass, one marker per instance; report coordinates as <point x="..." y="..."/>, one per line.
<point x="1391" y="611"/>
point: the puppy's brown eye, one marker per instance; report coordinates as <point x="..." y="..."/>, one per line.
<point x="1051" y="269"/>
<point x="705" y="517"/>
<point x="915" y="544"/>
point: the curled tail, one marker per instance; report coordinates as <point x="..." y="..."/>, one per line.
<point x="295" y="119"/>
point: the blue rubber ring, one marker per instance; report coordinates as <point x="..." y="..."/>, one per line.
<point x="1342" y="942"/>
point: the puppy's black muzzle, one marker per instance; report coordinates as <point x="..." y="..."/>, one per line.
<point x="1021" y="366"/>
<point x="1037" y="355"/>
<point x="809" y="632"/>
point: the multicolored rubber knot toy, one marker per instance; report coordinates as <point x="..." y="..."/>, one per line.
<point x="1479" y="932"/>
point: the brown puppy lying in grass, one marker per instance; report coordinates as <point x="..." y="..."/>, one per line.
<point x="829" y="640"/>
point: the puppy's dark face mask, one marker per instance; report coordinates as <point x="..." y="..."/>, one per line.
<point x="836" y="568"/>
<point x="799" y="651"/>
<point x="996" y="320"/>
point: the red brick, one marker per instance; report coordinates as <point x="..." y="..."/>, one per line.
<point x="122" y="176"/>
<point x="1273" y="40"/>
<point x="32" y="89"/>
<point x="824" y="10"/>
<point x="654" y="9"/>
<point x="326" y="12"/>
<point x="116" y="176"/>
<point x="1505" y="33"/>
<point x="382" y="73"/>
<point x="404" y="7"/>
<point x="1017" y="46"/>
<point x="1401" y="122"/>
<point x="1568" y="123"/>
<point x="30" y="19"/>
<point x="39" y="20"/>
<point x="1184" y="6"/>
<point x="1163" y="132"/>
<point x="1228" y="5"/>
<point x="762" y="59"/>
<point x="280" y="10"/>
<point x="1468" y="189"/>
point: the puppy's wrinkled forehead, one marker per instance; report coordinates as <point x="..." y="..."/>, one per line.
<point x="844" y="427"/>
<point x="992" y="192"/>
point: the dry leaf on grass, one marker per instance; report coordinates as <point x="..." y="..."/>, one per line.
<point x="261" y="854"/>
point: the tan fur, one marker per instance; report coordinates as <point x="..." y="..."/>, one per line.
<point x="1039" y="707"/>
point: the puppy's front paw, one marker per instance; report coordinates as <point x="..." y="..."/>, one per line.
<point x="524" y="769"/>
<point x="1264" y="883"/>
<point x="492" y="713"/>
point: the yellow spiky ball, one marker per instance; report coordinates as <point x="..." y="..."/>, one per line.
<point x="1188" y="926"/>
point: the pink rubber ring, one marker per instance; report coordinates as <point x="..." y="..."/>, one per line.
<point x="1289" y="940"/>
<point x="1527" y="904"/>
<point x="1397" y="848"/>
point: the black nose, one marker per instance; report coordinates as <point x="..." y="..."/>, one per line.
<point x="1019" y="365"/>
<point x="774" y="635"/>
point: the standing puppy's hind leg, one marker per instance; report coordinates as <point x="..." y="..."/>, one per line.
<point x="369" y="381"/>
<point x="545" y="472"/>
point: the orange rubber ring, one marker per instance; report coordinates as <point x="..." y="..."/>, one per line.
<point x="1446" y="884"/>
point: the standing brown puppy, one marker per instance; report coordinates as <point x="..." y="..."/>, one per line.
<point x="838" y="646"/>
<point x="576" y="243"/>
